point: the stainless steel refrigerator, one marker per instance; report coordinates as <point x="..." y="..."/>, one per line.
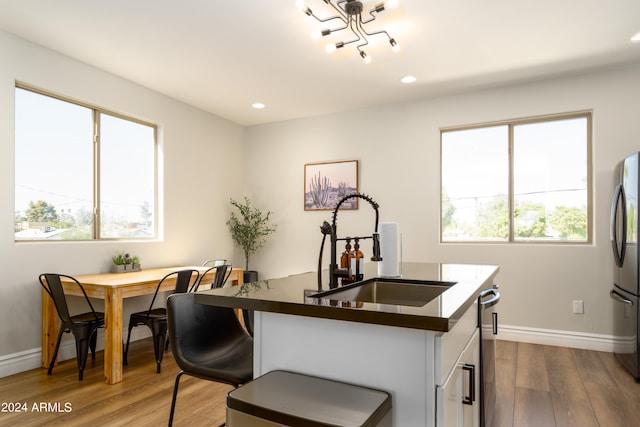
<point x="624" y="241"/>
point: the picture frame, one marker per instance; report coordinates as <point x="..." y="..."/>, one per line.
<point x="325" y="183"/>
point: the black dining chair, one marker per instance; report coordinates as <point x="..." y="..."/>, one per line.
<point x="83" y="327"/>
<point x="156" y="318"/>
<point x="247" y="317"/>
<point x="215" y="261"/>
<point x="223" y="269"/>
<point x="207" y="342"/>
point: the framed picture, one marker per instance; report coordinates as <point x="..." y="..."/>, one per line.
<point x="326" y="183"/>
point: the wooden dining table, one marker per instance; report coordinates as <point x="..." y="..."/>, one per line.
<point x="113" y="288"/>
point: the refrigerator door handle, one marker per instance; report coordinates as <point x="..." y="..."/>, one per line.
<point x="618" y="297"/>
<point x="619" y="248"/>
<point x="494" y="322"/>
<point x="495" y="298"/>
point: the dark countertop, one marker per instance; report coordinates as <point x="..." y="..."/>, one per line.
<point x="287" y="295"/>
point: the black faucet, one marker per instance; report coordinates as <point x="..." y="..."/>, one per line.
<point x="331" y="229"/>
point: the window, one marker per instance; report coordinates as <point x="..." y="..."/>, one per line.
<point x="523" y="180"/>
<point x="81" y="173"/>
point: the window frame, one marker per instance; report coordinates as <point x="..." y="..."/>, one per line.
<point x="511" y="124"/>
<point x="96" y="112"/>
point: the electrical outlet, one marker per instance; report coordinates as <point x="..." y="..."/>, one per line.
<point x="578" y="307"/>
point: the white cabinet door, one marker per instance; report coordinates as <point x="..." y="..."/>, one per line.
<point x="449" y="411"/>
<point x="471" y="379"/>
<point x="458" y="400"/>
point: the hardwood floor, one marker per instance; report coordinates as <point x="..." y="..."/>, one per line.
<point x="555" y="386"/>
<point x="142" y="399"/>
<point x="541" y="386"/>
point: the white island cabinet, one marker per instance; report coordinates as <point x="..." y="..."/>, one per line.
<point x="423" y="352"/>
<point x="413" y="365"/>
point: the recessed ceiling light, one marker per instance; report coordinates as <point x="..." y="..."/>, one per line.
<point x="258" y="105"/>
<point x="635" y="37"/>
<point x="408" y="79"/>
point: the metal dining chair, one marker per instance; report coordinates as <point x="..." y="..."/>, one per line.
<point x="219" y="281"/>
<point x="207" y="342"/>
<point x="223" y="269"/>
<point x="84" y="327"/>
<point x="156" y="318"/>
<point x="215" y="262"/>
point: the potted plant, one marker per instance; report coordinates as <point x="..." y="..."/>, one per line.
<point x="249" y="230"/>
<point x="123" y="262"/>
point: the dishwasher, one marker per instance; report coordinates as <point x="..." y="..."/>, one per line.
<point x="488" y="323"/>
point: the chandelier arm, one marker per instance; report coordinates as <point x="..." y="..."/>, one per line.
<point x="379" y="8"/>
<point x="355" y="30"/>
<point x="366" y="42"/>
<point x="362" y="31"/>
<point x="373" y="33"/>
<point x="331" y="18"/>
<point x="353" y="41"/>
<point x="333" y="30"/>
<point x="373" y="17"/>
<point x="339" y="9"/>
<point x="356" y="33"/>
<point x="363" y="34"/>
<point x="349" y="42"/>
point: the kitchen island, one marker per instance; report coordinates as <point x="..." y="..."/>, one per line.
<point x="412" y="351"/>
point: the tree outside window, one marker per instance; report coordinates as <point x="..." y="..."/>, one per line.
<point x="517" y="181"/>
<point x="81" y="173"/>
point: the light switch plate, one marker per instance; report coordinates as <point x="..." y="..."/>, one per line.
<point x="578" y="307"/>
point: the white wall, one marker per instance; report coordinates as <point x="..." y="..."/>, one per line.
<point x="398" y="149"/>
<point x="201" y="167"/>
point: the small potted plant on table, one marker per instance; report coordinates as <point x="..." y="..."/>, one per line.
<point x="123" y="262"/>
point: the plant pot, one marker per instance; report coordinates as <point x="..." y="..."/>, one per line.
<point x="250" y="276"/>
<point x="125" y="268"/>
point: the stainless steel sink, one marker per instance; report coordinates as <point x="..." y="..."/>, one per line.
<point x="414" y="293"/>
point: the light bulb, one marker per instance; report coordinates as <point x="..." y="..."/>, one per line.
<point x="391" y="4"/>
<point x="316" y="34"/>
<point x="394" y="45"/>
<point x="366" y="58"/>
<point x="332" y="47"/>
<point x="635" y="37"/>
<point x="300" y="4"/>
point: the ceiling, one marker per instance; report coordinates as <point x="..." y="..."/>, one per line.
<point x="223" y="56"/>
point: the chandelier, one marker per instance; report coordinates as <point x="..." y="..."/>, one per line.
<point x="349" y="12"/>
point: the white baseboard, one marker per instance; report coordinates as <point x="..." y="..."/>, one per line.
<point x="582" y="340"/>
<point x="19" y="362"/>
<point x="31" y="359"/>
